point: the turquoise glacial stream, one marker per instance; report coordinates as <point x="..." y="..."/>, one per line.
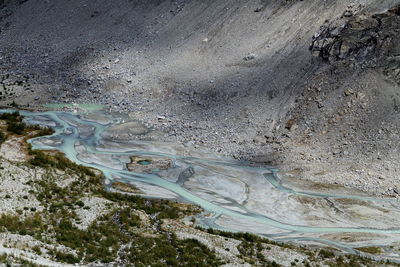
<point x="82" y="140"/>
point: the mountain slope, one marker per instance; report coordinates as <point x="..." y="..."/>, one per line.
<point x="231" y="75"/>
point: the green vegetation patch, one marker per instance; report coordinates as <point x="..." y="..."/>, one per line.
<point x="10" y="260"/>
<point x="15" y="125"/>
<point x="56" y="160"/>
<point x="163" y="209"/>
<point x="167" y="250"/>
<point x="371" y="250"/>
<point x="30" y="226"/>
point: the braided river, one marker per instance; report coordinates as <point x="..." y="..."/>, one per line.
<point x="235" y="196"/>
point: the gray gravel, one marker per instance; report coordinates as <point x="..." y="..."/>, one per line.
<point x="233" y="76"/>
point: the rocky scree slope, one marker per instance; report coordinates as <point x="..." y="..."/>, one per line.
<point x="235" y="76"/>
<point x="345" y="126"/>
<point x="223" y="73"/>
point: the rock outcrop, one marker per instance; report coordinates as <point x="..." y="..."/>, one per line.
<point x="364" y="39"/>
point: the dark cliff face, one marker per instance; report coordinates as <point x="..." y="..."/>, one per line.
<point x="363" y="39"/>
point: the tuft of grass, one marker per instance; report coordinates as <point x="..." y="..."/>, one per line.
<point x="323" y="253"/>
<point x="56" y="160"/>
<point x="16" y="125"/>
<point x="371" y="250"/>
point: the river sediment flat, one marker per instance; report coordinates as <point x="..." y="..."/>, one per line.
<point x="235" y="195"/>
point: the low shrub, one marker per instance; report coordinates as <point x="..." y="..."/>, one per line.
<point x="16" y="127"/>
<point x="3" y="137"/>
